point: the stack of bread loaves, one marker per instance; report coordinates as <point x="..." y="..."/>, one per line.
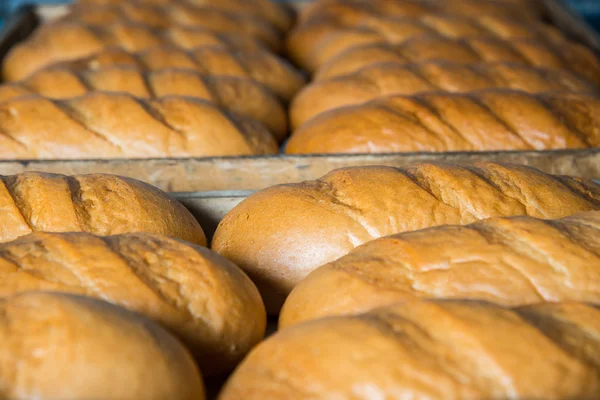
<point x="438" y="76"/>
<point x="188" y="77"/>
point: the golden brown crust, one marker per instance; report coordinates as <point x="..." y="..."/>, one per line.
<point x="507" y="261"/>
<point x="59" y="346"/>
<point x="207" y="301"/>
<point x="570" y="56"/>
<point x="435" y="350"/>
<point x="242" y="96"/>
<point x="280" y="234"/>
<point x="113" y="125"/>
<point x="97" y="203"/>
<point x="385" y="79"/>
<point x="486" y="120"/>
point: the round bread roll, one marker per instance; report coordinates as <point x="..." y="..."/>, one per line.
<point x="485" y="120"/>
<point x="242" y="96"/>
<point x="393" y="78"/>
<point x="116" y="125"/>
<point x="569" y="56"/>
<point x="59" y="346"/>
<point x="430" y="350"/>
<point x="208" y="302"/>
<point x="509" y="261"/>
<point x="280" y="234"/>
<point x="98" y="203"/>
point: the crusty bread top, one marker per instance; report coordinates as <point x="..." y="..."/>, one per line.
<point x="570" y="56"/>
<point x="280" y="234"/>
<point x="59" y="346"/>
<point x="430" y="350"/>
<point x="393" y="78"/>
<point x="114" y="125"/>
<point x="100" y="204"/>
<point x="206" y="300"/>
<point x="311" y="45"/>
<point x="510" y="261"/>
<point x="239" y="95"/>
<point x="494" y="119"/>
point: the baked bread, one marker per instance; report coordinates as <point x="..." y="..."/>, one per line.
<point x="430" y="350"/>
<point x="311" y="45"/>
<point x="114" y="125"/>
<point x="72" y="40"/>
<point x="509" y="261"/>
<point x="494" y="119"/>
<point x="58" y="346"/>
<point x="280" y="234"/>
<point x="570" y="56"/>
<point x="208" y="302"/>
<point x="239" y="95"/>
<point x="178" y="14"/>
<point x="98" y="203"/>
<point x="392" y="78"/>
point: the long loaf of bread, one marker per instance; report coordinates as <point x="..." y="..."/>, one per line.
<point x="239" y="95"/>
<point x="112" y="125"/>
<point x="570" y="56"/>
<point x="495" y="119"/>
<point x="436" y="350"/>
<point x="393" y="78"/>
<point x="208" y="302"/>
<point x="508" y="261"/>
<point x="351" y="206"/>
<point x="97" y="203"/>
<point x="311" y="45"/>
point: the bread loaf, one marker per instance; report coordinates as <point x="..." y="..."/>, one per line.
<point x="207" y="301"/>
<point x="508" y="261"/>
<point x="430" y="350"/>
<point x="280" y="234"/>
<point x="435" y="122"/>
<point x="178" y="14"/>
<point x="58" y="346"/>
<point x="239" y="95"/>
<point x="113" y="125"/>
<point x="392" y="78"/>
<point x="311" y="45"/>
<point x="97" y="203"/>
<point x="570" y="56"/>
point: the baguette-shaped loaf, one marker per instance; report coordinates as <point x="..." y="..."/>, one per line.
<point x="494" y="119"/>
<point x="392" y="78"/>
<point x="509" y="261"/>
<point x="311" y="45"/>
<point x="280" y="234"/>
<point x="65" y="41"/>
<point x="239" y="95"/>
<point x="452" y="350"/>
<point x="208" y="302"/>
<point x="59" y="346"/>
<point x="277" y="14"/>
<point x="113" y="125"/>
<point x="178" y="14"/>
<point x="570" y="56"/>
<point x="98" y="203"/>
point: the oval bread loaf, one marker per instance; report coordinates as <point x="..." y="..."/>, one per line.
<point x="393" y="78"/>
<point x="58" y="346"/>
<point x="114" y="125"/>
<point x="242" y="96"/>
<point x="439" y="122"/>
<point x="570" y="56"/>
<point x="509" y="261"/>
<point x="430" y="350"/>
<point x="280" y="234"/>
<point x="98" y="203"/>
<point x="208" y="302"/>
